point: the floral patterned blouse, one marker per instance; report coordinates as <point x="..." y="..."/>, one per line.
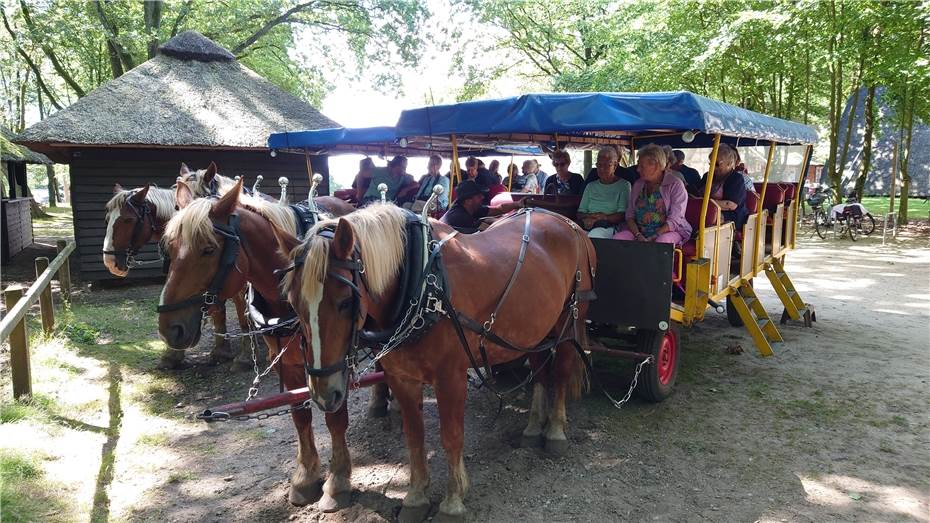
<point x="650" y="211"/>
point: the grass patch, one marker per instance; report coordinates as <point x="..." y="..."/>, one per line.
<point x="917" y="209"/>
<point x="25" y="493"/>
<point x="178" y="476"/>
<point x="815" y="410"/>
<point x="157" y="439"/>
<point x="59" y="223"/>
<point x="37" y="407"/>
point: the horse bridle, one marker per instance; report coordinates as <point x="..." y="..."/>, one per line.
<point x="231" y="245"/>
<point x="142" y="213"/>
<point x="356" y="268"/>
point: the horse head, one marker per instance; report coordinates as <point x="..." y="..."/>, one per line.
<point x="341" y="276"/>
<point x="206" y="263"/>
<point x="206" y="182"/>
<point x="134" y="217"/>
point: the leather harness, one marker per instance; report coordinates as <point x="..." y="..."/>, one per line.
<point x="143" y="213"/>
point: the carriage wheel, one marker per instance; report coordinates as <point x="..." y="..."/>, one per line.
<point x="657" y="379"/>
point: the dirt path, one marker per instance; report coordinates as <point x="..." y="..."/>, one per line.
<point x="834" y="427"/>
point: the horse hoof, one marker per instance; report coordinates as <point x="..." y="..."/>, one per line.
<point x="531" y="442"/>
<point x="413" y="514"/>
<point x="557" y="447"/>
<point x="172" y="364"/>
<point x="378" y="411"/>
<point x="306" y="494"/>
<point x="333" y="503"/>
<point x="442" y="517"/>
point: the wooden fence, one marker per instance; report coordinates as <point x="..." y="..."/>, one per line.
<point x="13" y="324"/>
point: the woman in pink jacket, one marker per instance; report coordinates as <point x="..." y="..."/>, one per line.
<point x="656" y="208"/>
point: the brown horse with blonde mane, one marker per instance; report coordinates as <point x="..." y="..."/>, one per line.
<point x="138" y="216"/>
<point x="197" y="241"/>
<point x="346" y="281"/>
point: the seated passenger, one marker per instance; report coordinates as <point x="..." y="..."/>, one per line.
<point x="430" y="180"/>
<point x="625" y="173"/>
<point x="563" y="182"/>
<point x="395" y="177"/>
<point x="691" y="176"/>
<point x="466" y="213"/>
<point x="604" y="201"/>
<point x="363" y="178"/>
<point x="729" y="187"/>
<point x="525" y="182"/>
<point x="670" y="159"/>
<point x="656" y="212"/>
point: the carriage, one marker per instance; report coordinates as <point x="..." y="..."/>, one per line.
<point x="644" y="290"/>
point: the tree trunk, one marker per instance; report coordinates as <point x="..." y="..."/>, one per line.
<point x="866" y="142"/>
<point x="52" y="186"/>
<point x="841" y="162"/>
<point x="152" y="11"/>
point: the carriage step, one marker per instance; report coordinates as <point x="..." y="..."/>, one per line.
<point x="763" y="322"/>
<point x="795" y="308"/>
<point x="756" y="320"/>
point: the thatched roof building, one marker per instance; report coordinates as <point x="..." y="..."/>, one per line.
<point x="11" y="152"/>
<point x="192" y="103"/>
<point x="193" y="94"/>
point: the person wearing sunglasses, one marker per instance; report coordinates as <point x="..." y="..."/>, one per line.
<point x="563" y="182"/>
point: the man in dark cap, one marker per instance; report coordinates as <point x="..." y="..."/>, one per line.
<point x="466" y="213"/>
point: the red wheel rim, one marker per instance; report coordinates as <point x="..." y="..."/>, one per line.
<point x="668" y="352"/>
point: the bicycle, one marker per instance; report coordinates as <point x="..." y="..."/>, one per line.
<point x="852" y="219"/>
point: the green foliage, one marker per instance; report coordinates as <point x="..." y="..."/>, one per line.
<point x="77" y="46"/>
<point x="80" y="332"/>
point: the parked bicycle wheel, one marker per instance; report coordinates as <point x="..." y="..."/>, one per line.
<point x="821" y="223"/>
<point x="853" y="225"/>
<point x="867" y="224"/>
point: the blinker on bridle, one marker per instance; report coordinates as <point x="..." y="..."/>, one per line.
<point x="231" y="244"/>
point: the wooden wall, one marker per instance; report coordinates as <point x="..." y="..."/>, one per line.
<point x="16" y="228"/>
<point x="94" y="171"/>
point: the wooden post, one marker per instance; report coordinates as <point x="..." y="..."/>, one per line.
<point x="45" y="299"/>
<point x="20" y="368"/>
<point x="64" y="274"/>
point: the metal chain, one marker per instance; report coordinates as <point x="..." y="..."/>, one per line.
<point x="259" y="331"/>
<point x="133" y="263"/>
<point x="253" y="390"/>
<point x="629" y="393"/>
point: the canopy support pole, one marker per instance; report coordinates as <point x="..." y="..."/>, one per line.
<point x="510" y="175"/>
<point x="707" y="188"/>
<point x="759" y="225"/>
<point x="454" y="172"/>
<point x="805" y="166"/>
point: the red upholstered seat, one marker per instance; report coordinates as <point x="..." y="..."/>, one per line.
<point x="693" y="213"/>
<point x="752" y="202"/>
<point x="789" y="189"/>
<point x="774" y="195"/>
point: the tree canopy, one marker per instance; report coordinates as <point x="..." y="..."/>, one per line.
<point x="54" y="52"/>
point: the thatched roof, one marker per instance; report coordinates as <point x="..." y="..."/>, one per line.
<point x="194" y="93"/>
<point x="10" y="152"/>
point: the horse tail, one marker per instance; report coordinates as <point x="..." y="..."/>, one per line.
<point x="578" y="380"/>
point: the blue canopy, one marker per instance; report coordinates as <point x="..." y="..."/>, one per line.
<point x="330" y="137"/>
<point x="385" y="139"/>
<point x="584" y="113"/>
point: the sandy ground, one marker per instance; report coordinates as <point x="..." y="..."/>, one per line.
<point x="834" y="427"/>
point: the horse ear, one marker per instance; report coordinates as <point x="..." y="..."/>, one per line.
<point x="286" y="241"/>
<point x="183" y="195"/>
<point x="210" y="173"/>
<point x="228" y="202"/>
<point x="185" y="170"/>
<point x="117" y="188"/>
<point x="139" y="197"/>
<point x="343" y="240"/>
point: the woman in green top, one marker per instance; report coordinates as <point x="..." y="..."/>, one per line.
<point x="603" y="204"/>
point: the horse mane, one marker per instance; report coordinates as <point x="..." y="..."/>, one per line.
<point x="381" y="235"/>
<point x="163" y="199"/>
<point x="193" y="226"/>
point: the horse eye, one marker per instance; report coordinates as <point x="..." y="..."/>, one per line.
<point x="209" y="251"/>
<point x="345" y="304"/>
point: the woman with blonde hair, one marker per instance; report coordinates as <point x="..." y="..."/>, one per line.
<point x="656" y="209"/>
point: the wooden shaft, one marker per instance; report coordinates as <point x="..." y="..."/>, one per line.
<point x="46" y="306"/>
<point x="20" y="368"/>
<point x="64" y="273"/>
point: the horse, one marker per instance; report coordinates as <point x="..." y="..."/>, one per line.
<point x="135" y="217"/>
<point x="197" y="240"/>
<point x="206" y="182"/>
<point x="345" y="282"/>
